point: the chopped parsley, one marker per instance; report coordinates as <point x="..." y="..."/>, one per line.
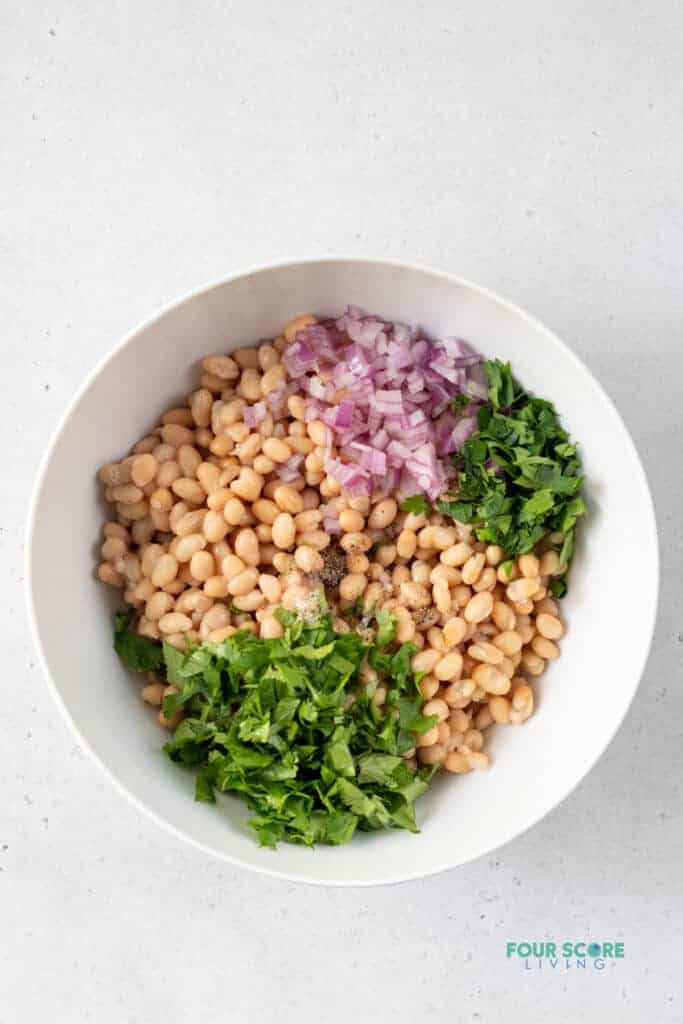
<point x="518" y="474"/>
<point x="460" y="403"/>
<point x="417" y="504"/>
<point x="138" y="653"/>
<point x="289" y="726"/>
<point x="386" y="627"/>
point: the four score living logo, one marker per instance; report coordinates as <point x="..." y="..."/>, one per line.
<point x="564" y="956"/>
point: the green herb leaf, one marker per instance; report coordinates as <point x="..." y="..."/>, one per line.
<point x="567" y="549"/>
<point x="386" y="627"/>
<point x="138" y="653"/>
<point x="518" y="475"/>
<point x="288" y="726"/>
<point x="203" y="790"/>
<point x="340" y="827"/>
<point x="367" y="806"/>
<point x="459" y="403"/>
<point x="378" y="768"/>
<point x="173" y="659"/>
<point x="339" y="755"/>
<point x="417" y="504"/>
<point x="501" y="386"/>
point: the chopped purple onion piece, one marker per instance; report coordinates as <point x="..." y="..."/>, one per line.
<point x="385" y="397"/>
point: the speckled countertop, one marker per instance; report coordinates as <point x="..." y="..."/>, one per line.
<point x="151" y="146"/>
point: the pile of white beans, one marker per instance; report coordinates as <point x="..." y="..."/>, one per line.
<point x="206" y="539"/>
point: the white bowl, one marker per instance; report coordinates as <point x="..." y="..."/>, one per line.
<point x="610" y="609"/>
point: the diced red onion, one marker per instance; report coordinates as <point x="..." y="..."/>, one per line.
<point x="344" y="414"/>
<point x="462" y="432"/>
<point x="475" y="390"/>
<point x="316" y="388"/>
<point x="299" y="357"/>
<point x="374" y="461"/>
<point x="460" y="351"/>
<point x="393" y="429"/>
<point x="255" y="414"/>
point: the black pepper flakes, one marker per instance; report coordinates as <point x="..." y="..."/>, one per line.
<point x="425" y="618"/>
<point x="334" y="567"/>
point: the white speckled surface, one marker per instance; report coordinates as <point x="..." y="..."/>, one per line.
<point x="152" y="146"/>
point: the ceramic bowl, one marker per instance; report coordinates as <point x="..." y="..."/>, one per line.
<point x="583" y="696"/>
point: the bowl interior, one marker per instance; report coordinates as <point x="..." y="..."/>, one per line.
<point x="581" y="698"/>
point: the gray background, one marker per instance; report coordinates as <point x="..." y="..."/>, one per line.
<point x="151" y="146"/>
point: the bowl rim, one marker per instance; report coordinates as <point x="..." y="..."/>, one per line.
<point x="650" y="613"/>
